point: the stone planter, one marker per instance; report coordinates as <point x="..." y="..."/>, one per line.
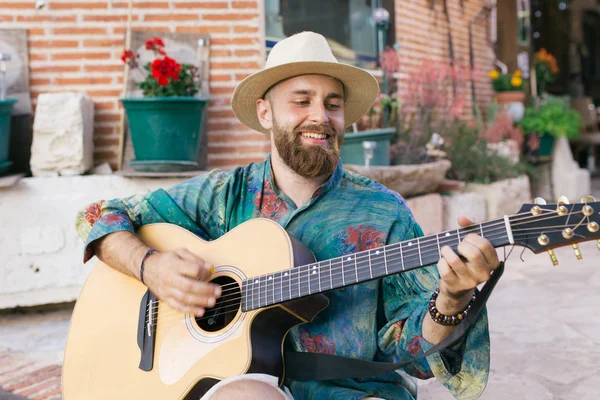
<point x="504" y="197"/>
<point x="408" y="180"/>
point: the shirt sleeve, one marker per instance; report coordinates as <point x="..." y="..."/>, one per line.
<point x="464" y="367"/>
<point x="203" y="199"/>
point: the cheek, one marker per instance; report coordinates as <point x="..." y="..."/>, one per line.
<point x="337" y="121"/>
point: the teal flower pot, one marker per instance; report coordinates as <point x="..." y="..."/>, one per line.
<point x="165" y="132"/>
<point x="546" y="145"/>
<point x="352" y="151"/>
<point x="5" y="110"/>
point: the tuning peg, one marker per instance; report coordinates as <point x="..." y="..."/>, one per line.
<point x="553" y="257"/>
<point x="540" y="201"/>
<point x="577" y="251"/>
<point x="588" y="199"/>
<point x="563" y="200"/>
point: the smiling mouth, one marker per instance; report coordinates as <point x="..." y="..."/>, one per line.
<point x="314" y="135"/>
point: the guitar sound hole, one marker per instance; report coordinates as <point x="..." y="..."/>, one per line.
<point x="227" y="307"/>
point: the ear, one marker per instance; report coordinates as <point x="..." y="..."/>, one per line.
<point x="264" y="113"/>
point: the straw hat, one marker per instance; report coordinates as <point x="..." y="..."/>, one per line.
<point x="302" y="54"/>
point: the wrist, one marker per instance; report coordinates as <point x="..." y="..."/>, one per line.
<point x="453" y="303"/>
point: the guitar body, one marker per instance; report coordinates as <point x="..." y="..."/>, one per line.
<point x="102" y="355"/>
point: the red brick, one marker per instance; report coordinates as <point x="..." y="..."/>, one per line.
<point x="220" y="53"/>
<point x="36" y="31"/>
<point x="39" y="82"/>
<point x="170" y="17"/>
<point x="145" y="4"/>
<point x="47" y="395"/>
<point x="246" y="53"/>
<point x="233" y="161"/>
<point x="54" y="5"/>
<point x="235" y="65"/>
<point x="230" y="17"/>
<point x="104" y="155"/>
<point x="110" y="18"/>
<point x="235" y="41"/>
<point x="202" y="5"/>
<point x="35" y="377"/>
<point x="105" y="142"/>
<point x="102" y="42"/>
<point x="244" y="4"/>
<point x="81" y="56"/>
<point x="105" y="105"/>
<point x="107" y="118"/>
<point x="103" y="68"/>
<point x="119" y="30"/>
<point x="104" y="93"/>
<point x="38" y="57"/>
<point x="245" y="29"/>
<point x="202" y="29"/>
<point x="104" y="130"/>
<point x="219" y="78"/>
<point x="220" y="114"/>
<point x="19" y="6"/>
<point x="53" y="43"/>
<point x="221" y="90"/>
<point x="84" y="81"/>
<point x="80" y="31"/>
<point x="47" y="17"/>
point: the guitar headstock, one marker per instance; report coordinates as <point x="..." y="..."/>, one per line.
<point x="543" y="227"/>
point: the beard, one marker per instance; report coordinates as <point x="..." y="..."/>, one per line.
<point x="308" y="161"/>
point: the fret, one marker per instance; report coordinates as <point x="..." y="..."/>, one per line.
<point x="303" y="288"/>
<point x="378" y="263"/>
<point x="264" y="288"/>
<point x="270" y="289"/>
<point x="370" y="264"/>
<point x="419" y="250"/>
<point x="437" y="237"/>
<point x="410" y="258"/>
<point x="362" y="263"/>
<point x="343" y="278"/>
<point x="481" y="229"/>
<point x="348" y="274"/>
<point x="255" y="293"/>
<point x="294" y="282"/>
<point x="320" y="290"/>
<point x="313" y="279"/>
<point x="337" y="272"/>
<point x="355" y="267"/>
<point x="401" y="256"/>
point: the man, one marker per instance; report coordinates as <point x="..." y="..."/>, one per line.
<point x="304" y="99"/>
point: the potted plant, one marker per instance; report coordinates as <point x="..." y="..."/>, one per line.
<point x="552" y="118"/>
<point x="509" y="92"/>
<point x="546" y="69"/>
<point x="6" y="106"/>
<point x="165" y="124"/>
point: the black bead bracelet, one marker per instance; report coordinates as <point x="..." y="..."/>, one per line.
<point x="447" y="320"/>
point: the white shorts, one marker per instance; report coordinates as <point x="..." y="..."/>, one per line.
<point x="269" y="379"/>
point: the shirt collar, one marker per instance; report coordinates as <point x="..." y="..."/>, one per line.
<point x="332" y="182"/>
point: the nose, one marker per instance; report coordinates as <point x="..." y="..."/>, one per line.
<point x="318" y="114"/>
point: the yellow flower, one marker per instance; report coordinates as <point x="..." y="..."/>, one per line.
<point x="517" y="73"/>
<point x="516" y="81"/>
<point x="494" y="74"/>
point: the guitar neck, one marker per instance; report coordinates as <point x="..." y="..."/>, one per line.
<point x="339" y="272"/>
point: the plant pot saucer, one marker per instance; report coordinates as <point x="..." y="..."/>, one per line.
<point x="163" y="165"/>
<point x="4" y="166"/>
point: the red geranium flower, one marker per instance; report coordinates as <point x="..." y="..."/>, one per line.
<point x="129" y="57"/>
<point x="165" y="68"/>
<point x="155" y="44"/>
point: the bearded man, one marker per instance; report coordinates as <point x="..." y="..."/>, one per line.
<point x="305" y="100"/>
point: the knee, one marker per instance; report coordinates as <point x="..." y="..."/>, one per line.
<point x="248" y="390"/>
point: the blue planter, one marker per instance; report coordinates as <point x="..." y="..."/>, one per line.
<point x="353" y="152"/>
<point x="5" y="110"/>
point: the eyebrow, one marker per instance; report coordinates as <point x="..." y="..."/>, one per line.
<point x="306" y="92"/>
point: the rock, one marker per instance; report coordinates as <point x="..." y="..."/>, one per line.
<point x="567" y="178"/>
<point x="504" y="197"/>
<point x="428" y="211"/>
<point x="408" y="180"/>
<point x="62" y="135"/>
<point x="458" y="204"/>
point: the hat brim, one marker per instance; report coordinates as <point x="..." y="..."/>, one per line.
<point x="360" y="88"/>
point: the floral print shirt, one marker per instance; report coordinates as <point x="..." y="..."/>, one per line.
<point x="378" y="320"/>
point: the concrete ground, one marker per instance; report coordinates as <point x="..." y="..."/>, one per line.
<point x="544" y="328"/>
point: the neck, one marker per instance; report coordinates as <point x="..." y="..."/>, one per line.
<point x="296" y="187"/>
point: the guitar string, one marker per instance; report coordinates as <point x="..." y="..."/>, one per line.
<point x="222" y="305"/>
<point x="340" y="271"/>
<point x="359" y="256"/>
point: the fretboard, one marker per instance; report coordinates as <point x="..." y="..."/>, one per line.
<point x="335" y="273"/>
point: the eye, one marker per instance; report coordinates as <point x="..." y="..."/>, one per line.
<point x="301" y="102"/>
<point x="334" y="106"/>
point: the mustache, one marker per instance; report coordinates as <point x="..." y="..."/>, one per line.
<point x="326" y="130"/>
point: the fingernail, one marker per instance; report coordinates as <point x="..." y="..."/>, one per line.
<point x="211" y="301"/>
<point x="218" y="291"/>
<point x="200" y="312"/>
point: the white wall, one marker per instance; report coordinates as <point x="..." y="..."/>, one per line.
<point x="40" y="252"/>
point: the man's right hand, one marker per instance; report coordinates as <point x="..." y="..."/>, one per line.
<point x="179" y="278"/>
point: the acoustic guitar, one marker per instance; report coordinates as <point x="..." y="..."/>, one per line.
<point x="123" y="343"/>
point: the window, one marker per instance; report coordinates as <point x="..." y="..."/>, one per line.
<point x="347" y="24"/>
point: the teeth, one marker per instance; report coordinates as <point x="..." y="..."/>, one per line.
<point x="314" y="135"/>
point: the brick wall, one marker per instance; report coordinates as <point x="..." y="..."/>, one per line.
<point x="76" y="45"/>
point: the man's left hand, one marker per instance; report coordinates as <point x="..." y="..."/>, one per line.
<point x="460" y="275"/>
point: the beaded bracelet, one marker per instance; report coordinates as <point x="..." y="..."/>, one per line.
<point x="447" y="320"/>
<point x="148" y="254"/>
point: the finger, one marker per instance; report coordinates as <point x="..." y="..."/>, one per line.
<point x="454" y="262"/>
<point x="193" y="266"/>
<point x="186" y="308"/>
<point x="465" y="221"/>
<point x="446" y="273"/>
<point x="488" y="251"/>
<point x="477" y="267"/>
<point x="197" y="291"/>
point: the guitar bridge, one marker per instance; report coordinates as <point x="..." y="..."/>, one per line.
<point x="146" y="329"/>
